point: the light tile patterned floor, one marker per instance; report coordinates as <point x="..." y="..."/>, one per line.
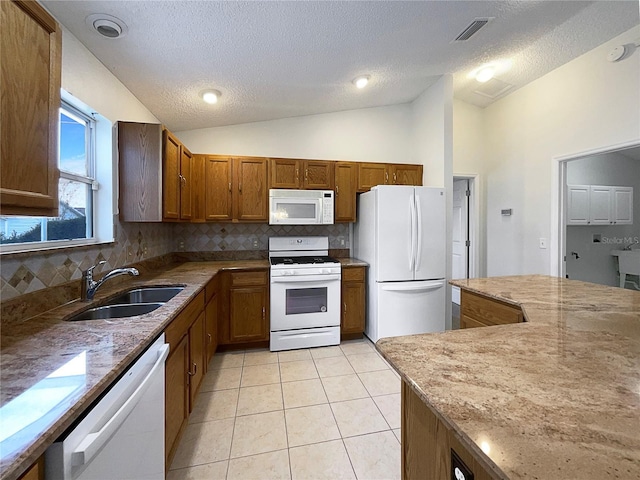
<point x="323" y="413"/>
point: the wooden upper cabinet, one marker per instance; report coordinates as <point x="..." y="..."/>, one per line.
<point x="171" y="176"/>
<point x="372" y="174"/>
<point x="318" y="175"/>
<point x="198" y="189"/>
<point x="250" y="195"/>
<point x="346" y="178"/>
<point x="218" y="182"/>
<point x="155" y="174"/>
<point x="405" y="174"/>
<point x="284" y="173"/>
<point x="30" y="66"/>
<point x="301" y="174"/>
<point x="186" y="183"/>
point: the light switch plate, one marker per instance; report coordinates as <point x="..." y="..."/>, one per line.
<point x="543" y="243"/>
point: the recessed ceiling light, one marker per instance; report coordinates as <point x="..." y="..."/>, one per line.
<point x="107" y="25"/>
<point x="485" y="74"/>
<point x="361" y="81"/>
<point x="210" y="96"/>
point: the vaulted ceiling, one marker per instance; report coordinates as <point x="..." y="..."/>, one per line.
<point x="277" y="59"/>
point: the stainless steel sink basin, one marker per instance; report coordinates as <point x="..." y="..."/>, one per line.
<point x="116" y="311"/>
<point x="146" y="295"/>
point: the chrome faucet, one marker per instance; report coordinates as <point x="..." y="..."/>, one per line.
<point x="630" y="246"/>
<point x="90" y="286"/>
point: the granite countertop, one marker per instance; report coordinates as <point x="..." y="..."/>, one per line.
<point x="352" y="262"/>
<point x="556" y="397"/>
<point x="97" y="350"/>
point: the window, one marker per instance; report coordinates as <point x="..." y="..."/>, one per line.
<point x="76" y="190"/>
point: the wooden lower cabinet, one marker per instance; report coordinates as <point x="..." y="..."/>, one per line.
<point x="212" y="296"/>
<point x="427" y="444"/>
<point x="480" y="311"/>
<point x="353" y="300"/>
<point x="176" y="397"/>
<point x="184" y="370"/>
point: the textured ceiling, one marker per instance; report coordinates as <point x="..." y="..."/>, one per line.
<point x="277" y="59"/>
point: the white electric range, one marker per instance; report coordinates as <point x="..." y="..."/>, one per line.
<point x="305" y="293"/>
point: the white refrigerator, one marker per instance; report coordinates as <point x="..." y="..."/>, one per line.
<point x="400" y="233"/>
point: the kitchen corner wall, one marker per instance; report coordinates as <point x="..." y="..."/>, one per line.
<point x="30" y="271"/>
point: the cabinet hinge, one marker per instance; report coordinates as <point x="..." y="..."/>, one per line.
<point x="467" y="243"/>
<point x="467" y="193"/>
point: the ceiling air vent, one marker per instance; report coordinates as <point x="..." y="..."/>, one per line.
<point x="472" y="29"/>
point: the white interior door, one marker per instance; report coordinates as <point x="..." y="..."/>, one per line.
<point x="393" y="230"/>
<point x="460" y="235"/>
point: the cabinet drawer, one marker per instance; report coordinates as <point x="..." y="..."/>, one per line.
<point x="212" y="287"/>
<point x="180" y="325"/>
<point x="239" y="279"/>
<point x="488" y="311"/>
<point x="353" y="274"/>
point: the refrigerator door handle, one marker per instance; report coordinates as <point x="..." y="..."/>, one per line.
<point x="412" y="254"/>
<point x="408" y="287"/>
<point x="419" y="233"/>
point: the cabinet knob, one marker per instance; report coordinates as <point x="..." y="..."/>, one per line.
<point x="229" y="186"/>
<point x="210" y="338"/>
<point x="306" y="173"/>
<point x="386" y="177"/>
<point x="297" y="174"/>
<point x="337" y="190"/>
<point x="240" y="187"/>
<point x="195" y="370"/>
<point x="264" y="313"/>
<point x="344" y="306"/>
<point x="395" y="177"/>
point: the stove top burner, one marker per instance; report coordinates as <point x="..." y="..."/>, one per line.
<point x="302" y="260"/>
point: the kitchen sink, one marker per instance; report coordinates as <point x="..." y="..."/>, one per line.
<point x="146" y="295"/>
<point x="116" y="311"/>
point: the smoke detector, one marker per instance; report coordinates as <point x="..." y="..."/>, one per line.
<point x="107" y="26"/>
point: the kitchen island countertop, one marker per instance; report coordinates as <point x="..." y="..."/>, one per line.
<point x="556" y="397"/>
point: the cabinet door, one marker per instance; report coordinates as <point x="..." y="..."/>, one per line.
<point x="218" y="188"/>
<point x="406" y="174"/>
<point x="248" y="314"/>
<point x="318" y="175"/>
<point x="346" y="175"/>
<point x="372" y="174"/>
<point x="599" y="205"/>
<point x="622" y="205"/>
<point x="198" y="191"/>
<point x="284" y="173"/>
<point x="186" y="183"/>
<point x="176" y="397"/>
<point x="30" y="64"/>
<point x="170" y="176"/>
<point x="211" y="327"/>
<point x="353" y="301"/>
<point x="197" y="352"/>
<point x="250" y="194"/>
<point x="578" y="205"/>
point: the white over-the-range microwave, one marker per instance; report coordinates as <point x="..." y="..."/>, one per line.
<point x="300" y="207"/>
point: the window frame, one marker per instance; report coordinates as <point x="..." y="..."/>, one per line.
<point x="90" y="119"/>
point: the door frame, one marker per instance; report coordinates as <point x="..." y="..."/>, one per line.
<point x="474" y="221"/>
<point x="559" y="201"/>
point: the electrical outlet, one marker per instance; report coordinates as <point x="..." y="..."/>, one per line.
<point x="543" y="243"/>
<point x="145" y="250"/>
<point x="256" y="244"/>
<point x="181" y="245"/>
<point x="130" y="252"/>
<point x="341" y="240"/>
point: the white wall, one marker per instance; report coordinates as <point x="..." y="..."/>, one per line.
<point x="596" y="264"/>
<point x="379" y="134"/>
<point x="468" y="160"/>
<point x="585" y="104"/>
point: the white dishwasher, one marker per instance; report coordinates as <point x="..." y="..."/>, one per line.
<point x="122" y="436"/>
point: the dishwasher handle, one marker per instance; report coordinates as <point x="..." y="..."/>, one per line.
<point x="93" y="442"/>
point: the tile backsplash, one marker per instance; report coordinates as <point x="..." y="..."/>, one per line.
<point x="28" y="272"/>
<point x="215" y="237"/>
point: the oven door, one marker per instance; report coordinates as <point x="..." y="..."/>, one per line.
<point x="305" y="301"/>
<point x="295" y="211"/>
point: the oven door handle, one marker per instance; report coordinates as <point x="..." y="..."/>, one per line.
<point x="293" y="279"/>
